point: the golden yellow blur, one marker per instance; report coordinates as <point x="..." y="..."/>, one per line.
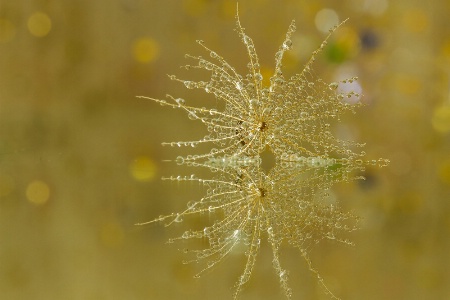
<point x="7" y="30"/>
<point x="408" y="84"/>
<point x="349" y="40"/>
<point x="444" y="171"/>
<point x="38" y="192"/>
<point x="39" y="24"/>
<point x="415" y="20"/>
<point x="81" y="158"/>
<point x="143" y="169"/>
<point x="111" y="234"/>
<point x="266" y="73"/>
<point x="194" y="7"/>
<point x="6" y="185"/>
<point x="145" y="50"/>
<point x="441" y="119"/>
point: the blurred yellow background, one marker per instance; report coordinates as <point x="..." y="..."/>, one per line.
<point x="81" y="157"/>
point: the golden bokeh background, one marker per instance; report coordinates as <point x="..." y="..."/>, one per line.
<point x="81" y="157"/>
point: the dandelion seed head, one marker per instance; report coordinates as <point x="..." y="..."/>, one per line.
<point x="291" y="119"/>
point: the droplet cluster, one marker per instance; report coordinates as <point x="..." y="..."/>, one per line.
<point x="292" y="119"/>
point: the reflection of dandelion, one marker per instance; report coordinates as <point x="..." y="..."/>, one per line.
<point x="288" y="203"/>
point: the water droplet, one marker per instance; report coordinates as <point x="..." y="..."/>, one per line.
<point x="330" y="236"/>
<point x="253" y="103"/>
<point x="192" y="116"/>
<point x="180" y="160"/>
<point x="287" y="44"/>
<point x="279" y="81"/>
<point x="333" y="85"/>
<point x="383" y="162"/>
<point x="180" y="101"/>
<point x="189" y="84"/>
<point x="178" y="218"/>
<point x="304" y="115"/>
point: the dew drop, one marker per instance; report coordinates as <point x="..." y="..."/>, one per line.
<point x="189" y="84"/>
<point x="383" y="162"/>
<point x="180" y="101"/>
<point x="253" y="103"/>
<point x="287" y="44"/>
<point x="192" y="116"/>
<point x="304" y="115"/>
<point x="179" y="218"/>
<point x="330" y="236"/>
<point x="333" y="85"/>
